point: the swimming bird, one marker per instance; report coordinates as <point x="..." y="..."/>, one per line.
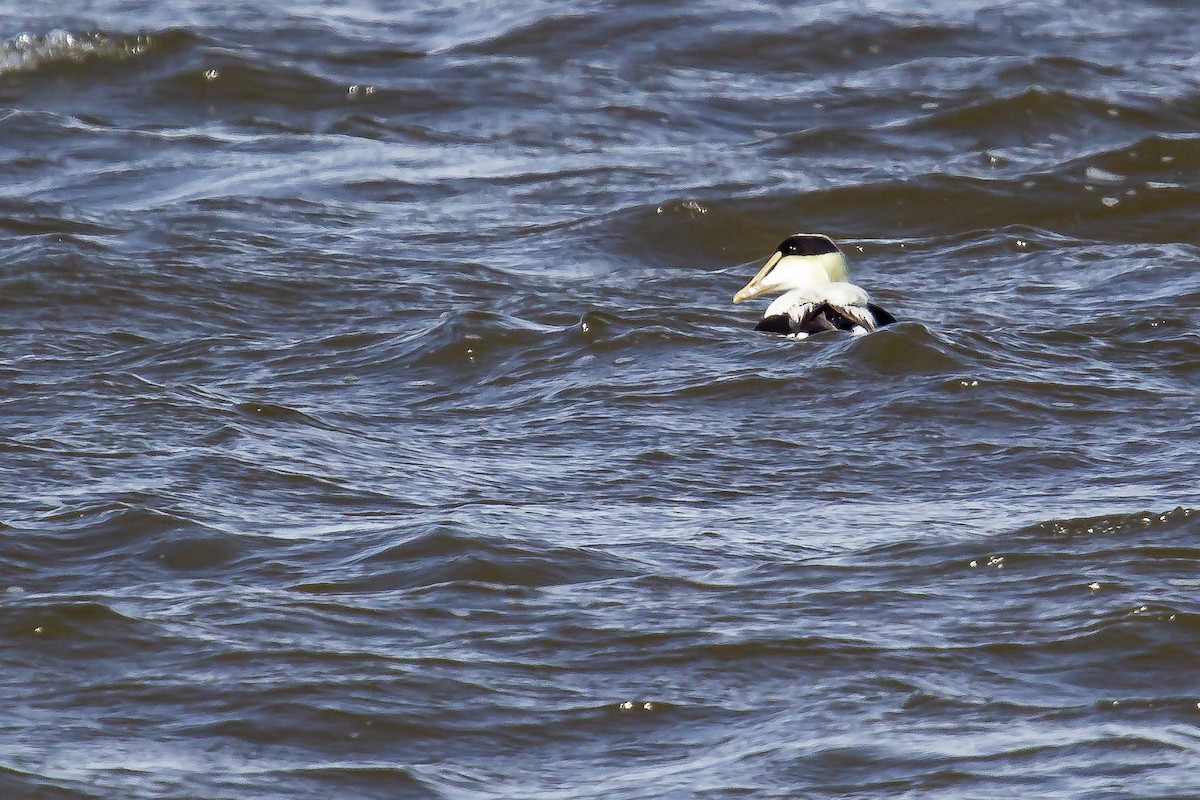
<point x="811" y="272"/>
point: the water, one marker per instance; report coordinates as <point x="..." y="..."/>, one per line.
<point x="375" y="421"/>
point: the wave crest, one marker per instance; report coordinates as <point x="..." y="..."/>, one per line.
<point x="30" y="52"/>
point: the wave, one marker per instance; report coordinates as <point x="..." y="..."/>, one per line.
<point x="443" y="559"/>
<point x="28" y="52"/>
<point x="28" y="783"/>
<point x="75" y="628"/>
<point x="1037" y="115"/>
<point x="114" y="537"/>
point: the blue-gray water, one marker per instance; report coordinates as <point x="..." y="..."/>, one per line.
<point x="375" y="421"/>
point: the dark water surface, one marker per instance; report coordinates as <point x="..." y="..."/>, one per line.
<point x="375" y="421"/>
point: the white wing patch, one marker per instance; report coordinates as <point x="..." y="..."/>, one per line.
<point x="844" y="295"/>
<point x="800" y="313"/>
<point x="806" y="307"/>
<point x="858" y="314"/>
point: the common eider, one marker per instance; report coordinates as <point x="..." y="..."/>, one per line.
<point x="811" y="272"/>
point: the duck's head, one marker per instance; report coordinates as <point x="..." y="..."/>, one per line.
<point x="804" y="259"/>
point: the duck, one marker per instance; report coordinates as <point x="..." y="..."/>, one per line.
<point x="811" y="271"/>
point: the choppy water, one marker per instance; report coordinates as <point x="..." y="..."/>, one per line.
<point x="375" y="421"/>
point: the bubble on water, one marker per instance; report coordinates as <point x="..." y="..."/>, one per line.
<point x="630" y="705"/>
<point x="211" y="74"/>
<point x="690" y="207"/>
<point x="1110" y="201"/>
<point x="1101" y="175"/>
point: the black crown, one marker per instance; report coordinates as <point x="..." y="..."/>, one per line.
<point x="808" y="244"/>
